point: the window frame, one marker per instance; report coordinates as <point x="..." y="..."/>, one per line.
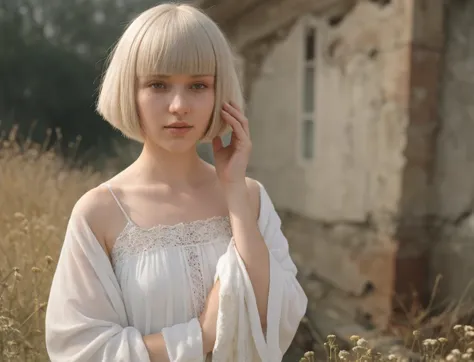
<point x="303" y="116"/>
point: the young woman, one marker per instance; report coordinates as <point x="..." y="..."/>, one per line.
<point x="136" y="279"/>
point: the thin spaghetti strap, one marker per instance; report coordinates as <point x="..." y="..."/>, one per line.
<point x="118" y="202"/>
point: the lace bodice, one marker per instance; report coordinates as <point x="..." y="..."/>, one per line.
<point x="135" y="241"/>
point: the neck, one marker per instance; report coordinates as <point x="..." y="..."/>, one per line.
<point x="161" y="166"/>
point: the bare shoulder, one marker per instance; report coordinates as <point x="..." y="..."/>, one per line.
<point x="254" y="190"/>
<point x="98" y="209"/>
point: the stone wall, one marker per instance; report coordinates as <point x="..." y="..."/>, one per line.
<point x="453" y="192"/>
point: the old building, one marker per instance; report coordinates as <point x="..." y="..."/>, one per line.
<point x="362" y="118"/>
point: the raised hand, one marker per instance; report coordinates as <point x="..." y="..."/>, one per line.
<point x="231" y="161"/>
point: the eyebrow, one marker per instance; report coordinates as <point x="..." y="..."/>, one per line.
<point x="166" y="76"/>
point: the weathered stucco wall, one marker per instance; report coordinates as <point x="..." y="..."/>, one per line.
<point x="361" y="119"/>
<point x="359" y="210"/>
<point x="345" y="202"/>
<point x="453" y="196"/>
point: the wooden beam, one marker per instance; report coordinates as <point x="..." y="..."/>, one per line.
<point x="224" y="12"/>
<point x="203" y="4"/>
<point x="269" y="17"/>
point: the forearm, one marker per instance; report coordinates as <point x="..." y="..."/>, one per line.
<point x="250" y="244"/>
<point x="155" y="343"/>
<point x="208" y="319"/>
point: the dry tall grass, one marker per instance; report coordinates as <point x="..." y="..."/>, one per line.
<point x="37" y="192"/>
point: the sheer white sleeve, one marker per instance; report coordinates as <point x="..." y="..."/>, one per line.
<point x="287" y="301"/>
<point x="85" y="316"/>
<point x="184" y="342"/>
<point x="239" y="333"/>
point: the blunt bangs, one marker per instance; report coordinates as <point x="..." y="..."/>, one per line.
<point x="176" y="43"/>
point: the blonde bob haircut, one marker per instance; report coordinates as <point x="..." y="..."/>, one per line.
<point x="167" y="39"/>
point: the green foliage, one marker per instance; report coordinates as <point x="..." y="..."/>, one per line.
<point x="52" y="54"/>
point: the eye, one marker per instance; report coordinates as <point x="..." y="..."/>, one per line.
<point x="199" y="86"/>
<point x="158" y="85"/>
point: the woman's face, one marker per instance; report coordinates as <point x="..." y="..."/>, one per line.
<point x="175" y="110"/>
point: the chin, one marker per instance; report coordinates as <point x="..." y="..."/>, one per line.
<point x="179" y="146"/>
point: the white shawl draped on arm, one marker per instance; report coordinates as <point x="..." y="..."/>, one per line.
<point x="239" y="334"/>
<point x="86" y="318"/>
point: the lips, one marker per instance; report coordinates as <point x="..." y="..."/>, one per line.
<point x="178" y="129"/>
<point x="178" y="125"/>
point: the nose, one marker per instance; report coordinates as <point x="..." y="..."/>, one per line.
<point x="178" y="104"/>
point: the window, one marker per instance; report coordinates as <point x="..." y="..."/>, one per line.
<point x="307" y="127"/>
<point x="308" y="138"/>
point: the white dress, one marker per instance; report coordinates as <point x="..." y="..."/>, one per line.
<point x="158" y="282"/>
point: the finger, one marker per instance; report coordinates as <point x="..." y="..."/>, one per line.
<point x="238" y="115"/>
<point x="236" y="125"/>
<point x="235" y="112"/>
<point x="217" y="144"/>
<point x="235" y="105"/>
<point x="245" y="125"/>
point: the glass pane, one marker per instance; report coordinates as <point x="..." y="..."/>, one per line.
<point x="308" y="89"/>
<point x="308" y="139"/>
<point x="310" y="43"/>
